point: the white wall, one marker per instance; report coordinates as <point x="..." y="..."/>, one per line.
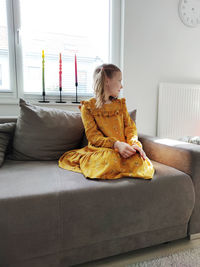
<point x="158" y="47"/>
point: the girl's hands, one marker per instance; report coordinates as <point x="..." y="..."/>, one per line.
<point x="126" y="150"/>
<point x="140" y="150"/>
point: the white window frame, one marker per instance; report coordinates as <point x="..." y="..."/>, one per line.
<point x="11" y="94"/>
<point x="116" y="33"/>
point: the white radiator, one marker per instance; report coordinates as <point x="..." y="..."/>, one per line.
<point x="178" y="110"/>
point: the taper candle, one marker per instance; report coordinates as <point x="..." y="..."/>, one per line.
<point x="76" y="77"/>
<point x="60" y="79"/>
<point x="60" y="72"/>
<point x="43" y="84"/>
<point x="76" y="80"/>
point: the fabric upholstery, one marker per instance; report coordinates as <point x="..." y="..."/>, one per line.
<point x="45" y="133"/>
<point x="105" y="249"/>
<point x="52" y="217"/>
<point x="6" y="119"/>
<point x="182" y="156"/>
<point x="6" y="134"/>
<point x="47" y="210"/>
<point x="132" y="114"/>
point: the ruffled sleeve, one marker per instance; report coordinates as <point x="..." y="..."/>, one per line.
<point x="94" y="136"/>
<point x="130" y="130"/>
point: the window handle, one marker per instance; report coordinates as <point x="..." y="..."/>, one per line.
<point x="18" y="36"/>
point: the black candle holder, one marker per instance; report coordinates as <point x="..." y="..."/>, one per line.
<point x="43" y="101"/>
<point x="60" y="96"/>
<point x="43" y="86"/>
<point x="76" y="84"/>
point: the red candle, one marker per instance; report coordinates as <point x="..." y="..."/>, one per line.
<point x="76" y="77"/>
<point x="60" y="72"/>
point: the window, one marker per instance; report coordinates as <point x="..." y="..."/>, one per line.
<point x="0" y="75"/>
<point x="85" y="28"/>
<point x="65" y="27"/>
<point x="4" y="55"/>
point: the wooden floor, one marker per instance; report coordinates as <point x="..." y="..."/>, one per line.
<point x="145" y="254"/>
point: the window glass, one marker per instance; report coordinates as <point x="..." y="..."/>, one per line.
<point x="67" y="27"/>
<point x="4" y="54"/>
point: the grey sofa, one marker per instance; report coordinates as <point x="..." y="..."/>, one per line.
<point x="50" y="217"/>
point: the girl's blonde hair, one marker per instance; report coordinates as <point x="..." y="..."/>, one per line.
<point x="102" y="71"/>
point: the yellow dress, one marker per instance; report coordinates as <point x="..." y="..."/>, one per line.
<point x="103" y="126"/>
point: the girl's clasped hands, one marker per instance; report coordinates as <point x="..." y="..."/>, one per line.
<point x="127" y="151"/>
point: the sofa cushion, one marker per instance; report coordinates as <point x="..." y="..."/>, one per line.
<point x="132" y="114"/>
<point x="45" y="133"/>
<point x="6" y="134"/>
<point x="45" y="209"/>
<point x="5" y="119"/>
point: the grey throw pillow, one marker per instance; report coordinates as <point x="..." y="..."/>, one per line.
<point x="132" y="114"/>
<point x="84" y="141"/>
<point x="45" y="133"/>
<point x="6" y="134"/>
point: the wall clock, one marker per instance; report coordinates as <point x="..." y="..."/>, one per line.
<point x="189" y="12"/>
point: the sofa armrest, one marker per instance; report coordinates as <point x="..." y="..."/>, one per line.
<point x="4" y="119"/>
<point x="182" y="156"/>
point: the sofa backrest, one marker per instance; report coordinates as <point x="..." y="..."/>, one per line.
<point x="4" y="119"/>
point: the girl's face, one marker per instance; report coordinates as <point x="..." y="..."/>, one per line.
<point x="114" y="85"/>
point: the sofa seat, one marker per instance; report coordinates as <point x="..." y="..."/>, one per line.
<point x="46" y="210"/>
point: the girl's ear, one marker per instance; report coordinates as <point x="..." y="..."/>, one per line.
<point x="107" y="81"/>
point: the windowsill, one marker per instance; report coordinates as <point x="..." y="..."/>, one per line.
<point x="52" y="98"/>
<point x="34" y="102"/>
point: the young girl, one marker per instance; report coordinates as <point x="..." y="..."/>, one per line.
<point x="113" y="149"/>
